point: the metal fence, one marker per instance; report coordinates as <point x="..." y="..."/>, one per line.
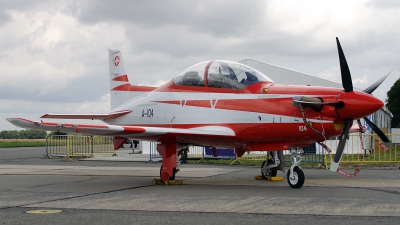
<point x="357" y="152"/>
<point x="367" y="151"/>
<point x="153" y="152"/>
<point x="68" y="146"/>
<point x="195" y="152"/>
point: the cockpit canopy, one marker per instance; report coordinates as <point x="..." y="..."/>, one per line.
<point x="220" y="74"/>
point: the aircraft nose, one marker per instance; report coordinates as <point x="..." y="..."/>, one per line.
<point x="358" y="105"/>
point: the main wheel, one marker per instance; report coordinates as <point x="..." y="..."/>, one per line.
<point x="271" y="172"/>
<point x="170" y="178"/>
<point x="299" y="178"/>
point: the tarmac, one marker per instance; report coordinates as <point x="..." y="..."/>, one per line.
<point x="119" y="190"/>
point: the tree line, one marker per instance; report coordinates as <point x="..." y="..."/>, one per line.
<point x="23" y="134"/>
<point x="393" y="103"/>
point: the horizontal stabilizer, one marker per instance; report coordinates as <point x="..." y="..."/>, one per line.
<point x="108" y="116"/>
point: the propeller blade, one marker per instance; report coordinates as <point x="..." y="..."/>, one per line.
<point x="340" y="148"/>
<point x="375" y="85"/>
<point x="342" y="142"/>
<point x="380" y="134"/>
<point x="344" y="69"/>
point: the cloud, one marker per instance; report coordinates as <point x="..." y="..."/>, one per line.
<point x="55" y="52"/>
<point x="33" y="110"/>
<point x="224" y="18"/>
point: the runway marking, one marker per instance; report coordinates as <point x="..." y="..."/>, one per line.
<point x="44" y="211"/>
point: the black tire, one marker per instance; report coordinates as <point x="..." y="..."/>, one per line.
<point x="270" y="173"/>
<point x="299" y="178"/>
<point x="170" y="178"/>
<point x="173" y="176"/>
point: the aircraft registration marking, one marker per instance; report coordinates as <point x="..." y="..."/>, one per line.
<point x="147" y="113"/>
<point x="302" y="128"/>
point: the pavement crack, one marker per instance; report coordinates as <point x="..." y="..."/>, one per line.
<point x="380" y="190"/>
<point x="77" y="196"/>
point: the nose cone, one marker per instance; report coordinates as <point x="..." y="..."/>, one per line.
<point x="358" y="105"/>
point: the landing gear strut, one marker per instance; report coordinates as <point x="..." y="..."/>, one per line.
<point x="269" y="166"/>
<point x="169" y="165"/>
<point x="172" y="177"/>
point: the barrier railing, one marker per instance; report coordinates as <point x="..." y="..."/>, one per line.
<point x="371" y="152"/>
<point x="103" y="145"/>
<point x="195" y="152"/>
<point x="153" y="152"/>
<point x="68" y="146"/>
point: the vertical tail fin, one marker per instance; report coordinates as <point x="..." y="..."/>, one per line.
<point x="121" y="90"/>
<point x="118" y="78"/>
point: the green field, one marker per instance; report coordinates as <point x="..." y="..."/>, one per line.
<point x="12" y="143"/>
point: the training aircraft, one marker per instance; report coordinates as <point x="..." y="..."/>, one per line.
<point x="225" y="104"/>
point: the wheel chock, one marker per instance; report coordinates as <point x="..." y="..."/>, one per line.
<point x="158" y="181"/>
<point x="275" y="178"/>
<point x="173" y="182"/>
<point x="168" y="182"/>
<point x="260" y="177"/>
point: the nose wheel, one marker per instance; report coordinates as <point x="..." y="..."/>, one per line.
<point x="296" y="180"/>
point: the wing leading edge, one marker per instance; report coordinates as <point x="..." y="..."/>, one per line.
<point x="137" y="132"/>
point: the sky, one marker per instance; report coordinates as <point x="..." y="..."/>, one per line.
<point x="54" y="54"/>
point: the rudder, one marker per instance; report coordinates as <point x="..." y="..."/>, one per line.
<point x="118" y="78"/>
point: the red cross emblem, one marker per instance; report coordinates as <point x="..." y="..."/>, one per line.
<point x="116" y="61"/>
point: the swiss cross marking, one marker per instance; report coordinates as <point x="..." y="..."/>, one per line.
<point x="116" y="61"/>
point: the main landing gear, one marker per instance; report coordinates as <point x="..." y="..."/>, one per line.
<point x="175" y="170"/>
<point x="269" y="168"/>
<point x="170" y="163"/>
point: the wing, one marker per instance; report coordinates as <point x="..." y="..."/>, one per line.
<point x="111" y="115"/>
<point x="123" y="132"/>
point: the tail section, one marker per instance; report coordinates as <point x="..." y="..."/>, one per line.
<point x="121" y="90"/>
<point x="119" y="80"/>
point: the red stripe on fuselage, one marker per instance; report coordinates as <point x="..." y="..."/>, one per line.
<point x="275" y="106"/>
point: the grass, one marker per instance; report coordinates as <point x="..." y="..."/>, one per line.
<point x="228" y="162"/>
<point x="12" y="143"/>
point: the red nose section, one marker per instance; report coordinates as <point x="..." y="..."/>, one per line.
<point x="357" y="105"/>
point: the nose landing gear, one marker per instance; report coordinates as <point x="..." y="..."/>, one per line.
<point x="295" y="175"/>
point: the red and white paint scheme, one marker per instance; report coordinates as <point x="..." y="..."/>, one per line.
<point x="226" y="104"/>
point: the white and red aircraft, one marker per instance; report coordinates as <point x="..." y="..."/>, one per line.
<point x="226" y="104"/>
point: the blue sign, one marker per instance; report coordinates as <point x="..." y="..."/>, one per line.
<point x="365" y="122"/>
